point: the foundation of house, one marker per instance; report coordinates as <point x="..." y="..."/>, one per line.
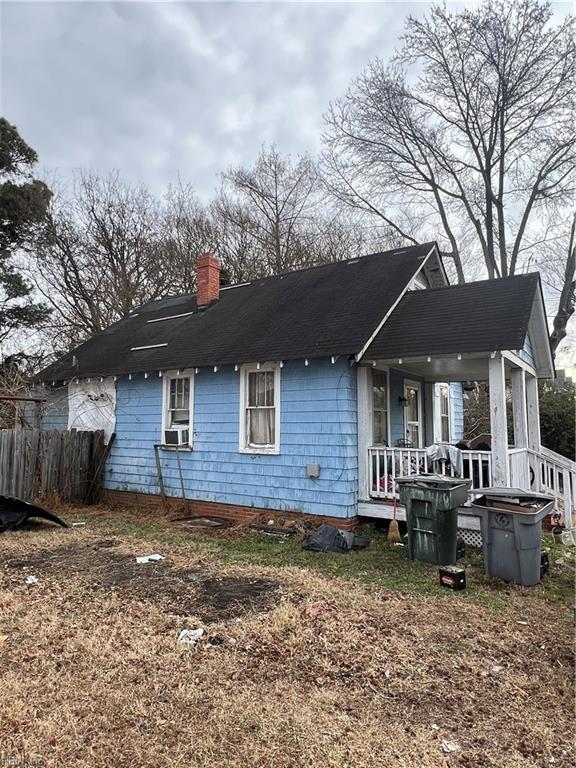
<point x="230" y="512"/>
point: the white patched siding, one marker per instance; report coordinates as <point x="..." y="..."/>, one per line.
<point x="92" y="405"/>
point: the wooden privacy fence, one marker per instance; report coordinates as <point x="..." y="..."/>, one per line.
<point x="35" y="463"/>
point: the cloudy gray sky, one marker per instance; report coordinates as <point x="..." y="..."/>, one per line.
<point x="161" y="90"/>
<point x="168" y="90"/>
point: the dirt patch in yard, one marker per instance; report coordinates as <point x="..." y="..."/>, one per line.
<point x="381" y="669"/>
<point x="197" y="591"/>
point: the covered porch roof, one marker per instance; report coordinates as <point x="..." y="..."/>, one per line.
<point x="461" y="367"/>
<point x="451" y="333"/>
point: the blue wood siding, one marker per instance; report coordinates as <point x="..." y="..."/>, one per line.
<point x="527" y="352"/>
<point x="318" y="426"/>
<point x="457" y="402"/>
<point x="54" y="412"/>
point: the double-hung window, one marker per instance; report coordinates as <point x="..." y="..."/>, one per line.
<point x="444" y="396"/>
<point x="260" y="409"/>
<point x="177" y="412"/>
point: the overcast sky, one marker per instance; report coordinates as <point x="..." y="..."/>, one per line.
<point x="161" y="90"/>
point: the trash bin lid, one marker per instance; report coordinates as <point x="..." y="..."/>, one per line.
<point x="513" y="500"/>
<point x="433" y="480"/>
<point x="511" y="493"/>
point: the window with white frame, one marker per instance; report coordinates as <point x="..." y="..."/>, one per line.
<point x="444" y="397"/>
<point x="177" y="410"/>
<point x="260" y="409"/>
<point x="379" y="407"/>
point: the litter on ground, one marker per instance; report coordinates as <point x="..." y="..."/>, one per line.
<point x="30" y="580"/>
<point x="201" y="522"/>
<point x="327" y="538"/>
<point x="190" y="636"/>
<point x="270" y="530"/>
<point x="149" y="558"/>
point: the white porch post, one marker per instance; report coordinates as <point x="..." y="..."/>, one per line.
<point x="498" y="423"/>
<point x="364" y="377"/>
<point x="429" y="412"/>
<point x="533" y="414"/>
<point x="518" y="379"/>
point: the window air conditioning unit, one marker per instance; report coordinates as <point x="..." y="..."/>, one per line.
<point x="176" y="436"/>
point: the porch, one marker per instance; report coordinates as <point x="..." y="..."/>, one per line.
<point x="515" y="460"/>
<point x="542" y="472"/>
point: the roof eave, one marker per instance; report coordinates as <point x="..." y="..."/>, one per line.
<point x="540" y="337"/>
<point x="360" y="355"/>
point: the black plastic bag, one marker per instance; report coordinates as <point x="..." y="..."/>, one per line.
<point x="327" y="538"/>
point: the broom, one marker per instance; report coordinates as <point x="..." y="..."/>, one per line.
<point x="393" y="530"/>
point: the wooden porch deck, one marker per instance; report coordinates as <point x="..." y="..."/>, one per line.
<point x="385" y="511"/>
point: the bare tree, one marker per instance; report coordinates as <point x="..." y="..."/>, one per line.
<point x="480" y="145"/>
<point x="100" y="256"/>
<point x="236" y="232"/>
<point x="275" y="217"/>
<point x="563" y="274"/>
<point x="15" y="374"/>
<point x="272" y="203"/>
<point x="333" y="236"/>
<point x="186" y="232"/>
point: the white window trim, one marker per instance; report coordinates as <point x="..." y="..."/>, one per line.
<point x="243" y="446"/>
<point x="166" y="378"/>
<point x="421" y="423"/>
<point x="438" y="412"/>
<point x="382" y="369"/>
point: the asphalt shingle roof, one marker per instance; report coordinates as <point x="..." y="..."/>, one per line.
<point x="484" y="316"/>
<point x="316" y="312"/>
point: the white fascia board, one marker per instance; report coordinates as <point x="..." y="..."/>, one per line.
<point x="378" y="328"/>
<point x="540" y="339"/>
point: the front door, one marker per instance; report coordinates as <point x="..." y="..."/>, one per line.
<point x="413" y="413"/>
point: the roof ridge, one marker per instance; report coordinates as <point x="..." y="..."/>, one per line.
<point x="390" y="251"/>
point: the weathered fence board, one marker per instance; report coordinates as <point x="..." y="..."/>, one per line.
<point x="35" y="463"/>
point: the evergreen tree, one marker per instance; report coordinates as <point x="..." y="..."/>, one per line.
<point x="557" y="416"/>
<point x="23" y="205"/>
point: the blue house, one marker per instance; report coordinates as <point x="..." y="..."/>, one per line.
<point x="310" y="392"/>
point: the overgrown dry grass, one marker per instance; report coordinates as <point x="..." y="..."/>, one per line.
<point x="299" y="668"/>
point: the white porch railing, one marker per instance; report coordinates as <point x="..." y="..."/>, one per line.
<point x="386" y="464"/>
<point x="544" y="472"/>
<point x="555" y="475"/>
<point x="519" y="468"/>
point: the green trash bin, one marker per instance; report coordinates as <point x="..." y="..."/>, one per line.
<point x="431" y="503"/>
<point x="511" y="524"/>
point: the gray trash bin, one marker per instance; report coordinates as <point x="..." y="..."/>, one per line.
<point x="511" y="522"/>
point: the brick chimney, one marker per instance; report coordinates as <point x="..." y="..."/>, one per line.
<point x="207" y="279"/>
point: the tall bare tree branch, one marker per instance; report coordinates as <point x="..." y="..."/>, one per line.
<point x="484" y="136"/>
